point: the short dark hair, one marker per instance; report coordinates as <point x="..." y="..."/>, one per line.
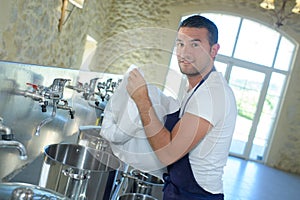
<point x="198" y="21"/>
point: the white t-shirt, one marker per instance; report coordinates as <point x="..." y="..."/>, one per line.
<point x="215" y="102"/>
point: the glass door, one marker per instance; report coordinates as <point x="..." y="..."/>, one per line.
<point x="247" y="86"/>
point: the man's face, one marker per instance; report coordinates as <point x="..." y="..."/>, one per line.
<point x="193" y="51"/>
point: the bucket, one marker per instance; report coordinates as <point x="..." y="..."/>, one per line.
<point x="135" y="196"/>
<point x="79" y="172"/>
<point x="144" y="183"/>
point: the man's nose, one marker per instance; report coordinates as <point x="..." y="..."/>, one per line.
<point x="184" y="52"/>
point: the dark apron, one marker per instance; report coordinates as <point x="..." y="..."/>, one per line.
<point x="180" y="183"/>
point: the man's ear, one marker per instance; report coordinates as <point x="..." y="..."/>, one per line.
<point x="214" y="50"/>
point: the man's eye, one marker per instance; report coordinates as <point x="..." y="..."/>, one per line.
<point x="179" y="44"/>
<point x="195" y="44"/>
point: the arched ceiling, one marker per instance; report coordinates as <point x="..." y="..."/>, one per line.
<point x="247" y="8"/>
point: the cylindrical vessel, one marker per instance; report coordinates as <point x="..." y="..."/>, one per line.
<point x="89" y="136"/>
<point x="79" y="172"/>
<point x="144" y="183"/>
<point x="18" y="191"/>
<point x="135" y="196"/>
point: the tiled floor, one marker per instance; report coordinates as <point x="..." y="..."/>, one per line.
<point x="247" y="180"/>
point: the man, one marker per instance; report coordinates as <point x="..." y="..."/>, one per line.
<point x="194" y="142"/>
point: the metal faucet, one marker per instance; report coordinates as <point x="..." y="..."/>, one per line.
<point x="8" y="135"/>
<point x="8" y="142"/>
<point x="106" y="89"/>
<point x="97" y="100"/>
<point x="43" y="94"/>
<point x="15" y="144"/>
<point x="47" y="120"/>
<point x="55" y="93"/>
<point x="56" y="106"/>
<point x="88" y="89"/>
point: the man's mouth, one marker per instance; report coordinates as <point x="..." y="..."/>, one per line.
<point x="185" y="62"/>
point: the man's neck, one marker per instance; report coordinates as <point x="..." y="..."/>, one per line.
<point x="194" y="80"/>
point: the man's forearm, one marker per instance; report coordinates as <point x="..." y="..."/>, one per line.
<point x="158" y="136"/>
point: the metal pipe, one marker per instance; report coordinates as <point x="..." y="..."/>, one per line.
<point x="4" y="129"/>
<point x="11" y="143"/>
<point x="15" y="144"/>
<point x="65" y="106"/>
<point x="33" y="95"/>
<point x="47" y="120"/>
<point x="8" y="133"/>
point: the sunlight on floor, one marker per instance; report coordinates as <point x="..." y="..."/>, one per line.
<point x="247" y="180"/>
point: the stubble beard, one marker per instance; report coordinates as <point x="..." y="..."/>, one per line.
<point x="191" y="71"/>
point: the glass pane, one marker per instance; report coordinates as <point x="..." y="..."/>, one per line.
<point x="246" y="85"/>
<point x="221" y="67"/>
<point x="256" y="43"/>
<point x="226" y="38"/>
<point x="285" y="54"/>
<point x="268" y="116"/>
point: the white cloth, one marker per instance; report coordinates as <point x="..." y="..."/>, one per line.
<point x="215" y="102"/>
<point x="122" y="127"/>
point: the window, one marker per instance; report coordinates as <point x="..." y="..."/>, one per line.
<point x="256" y="60"/>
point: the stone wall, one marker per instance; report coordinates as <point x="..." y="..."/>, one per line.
<point x="30" y="34"/>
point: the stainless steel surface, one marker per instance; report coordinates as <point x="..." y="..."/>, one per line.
<point x="45" y="121"/>
<point x="22" y="193"/>
<point x="146" y="177"/>
<point x="18" y="191"/>
<point x="3" y="128"/>
<point x="88" y="90"/>
<point x="78" y="171"/>
<point x="23" y="114"/>
<point x="12" y="144"/>
<point x="7" y="141"/>
<point x="54" y="93"/>
<point x="89" y="136"/>
<point x="135" y="196"/>
<point x="143" y="183"/>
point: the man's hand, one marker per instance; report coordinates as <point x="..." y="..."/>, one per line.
<point x="136" y="86"/>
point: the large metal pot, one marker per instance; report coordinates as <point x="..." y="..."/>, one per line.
<point x="79" y="172"/>
<point x="135" y="196"/>
<point x="144" y="183"/>
<point x="89" y="136"/>
<point x="18" y="191"/>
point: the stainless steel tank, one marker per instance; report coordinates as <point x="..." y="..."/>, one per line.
<point x="143" y="183"/>
<point x="79" y="172"/>
<point x="135" y="196"/>
<point x="18" y="191"/>
<point x="89" y="136"/>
